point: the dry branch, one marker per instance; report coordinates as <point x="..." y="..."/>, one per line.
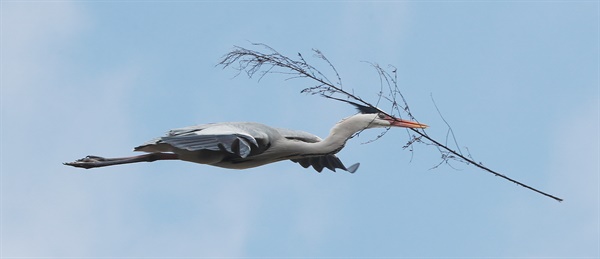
<point x="257" y="63"/>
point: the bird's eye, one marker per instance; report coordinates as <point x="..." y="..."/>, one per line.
<point x="381" y="116"/>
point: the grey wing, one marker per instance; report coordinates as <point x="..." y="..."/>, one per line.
<point x="330" y="161"/>
<point x="298" y="135"/>
<point x="225" y="137"/>
<point x="239" y="145"/>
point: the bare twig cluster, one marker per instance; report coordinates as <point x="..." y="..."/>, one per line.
<point x="255" y="63"/>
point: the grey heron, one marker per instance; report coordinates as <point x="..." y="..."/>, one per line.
<point x="241" y="145"/>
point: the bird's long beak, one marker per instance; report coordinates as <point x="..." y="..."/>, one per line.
<point x="406" y="123"/>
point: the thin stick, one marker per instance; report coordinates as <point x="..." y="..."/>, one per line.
<point x="485" y="168"/>
<point x="251" y="62"/>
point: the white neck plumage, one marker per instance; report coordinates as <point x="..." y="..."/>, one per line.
<point x="339" y="134"/>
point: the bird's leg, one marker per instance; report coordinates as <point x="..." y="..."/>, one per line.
<point x="97" y="161"/>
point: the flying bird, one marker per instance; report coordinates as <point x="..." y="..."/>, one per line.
<point x="242" y="145"/>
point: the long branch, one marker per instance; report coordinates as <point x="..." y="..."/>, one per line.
<point x="303" y="69"/>
<point x="483" y="167"/>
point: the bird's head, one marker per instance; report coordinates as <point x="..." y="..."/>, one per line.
<point x="381" y="120"/>
<point x="373" y="117"/>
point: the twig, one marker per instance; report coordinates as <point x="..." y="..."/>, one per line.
<point x="450" y="131"/>
<point x="484" y="167"/>
<point x="251" y="62"/>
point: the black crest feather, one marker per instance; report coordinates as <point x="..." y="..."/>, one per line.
<point x="361" y="108"/>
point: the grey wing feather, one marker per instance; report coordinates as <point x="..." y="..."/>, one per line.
<point x="330" y="161"/>
<point x="234" y="144"/>
<point x="298" y="135"/>
<point x="234" y="138"/>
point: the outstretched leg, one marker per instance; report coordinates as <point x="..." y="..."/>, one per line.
<point x="96" y="161"/>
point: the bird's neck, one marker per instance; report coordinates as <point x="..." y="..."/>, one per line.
<point x="339" y="134"/>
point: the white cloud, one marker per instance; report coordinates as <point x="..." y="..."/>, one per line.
<point x="47" y="210"/>
<point x="575" y="174"/>
<point x="572" y="175"/>
<point x="30" y="33"/>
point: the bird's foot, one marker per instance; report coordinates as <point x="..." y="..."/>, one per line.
<point x="87" y="162"/>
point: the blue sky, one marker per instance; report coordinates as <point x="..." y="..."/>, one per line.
<point x="518" y="81"/>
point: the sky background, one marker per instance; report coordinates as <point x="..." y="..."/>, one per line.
<point x="518" y="82"/>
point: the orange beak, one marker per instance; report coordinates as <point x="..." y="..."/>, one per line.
<point x="395" y="122"/>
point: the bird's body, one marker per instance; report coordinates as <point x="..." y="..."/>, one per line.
<point x="241" y="145"/>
